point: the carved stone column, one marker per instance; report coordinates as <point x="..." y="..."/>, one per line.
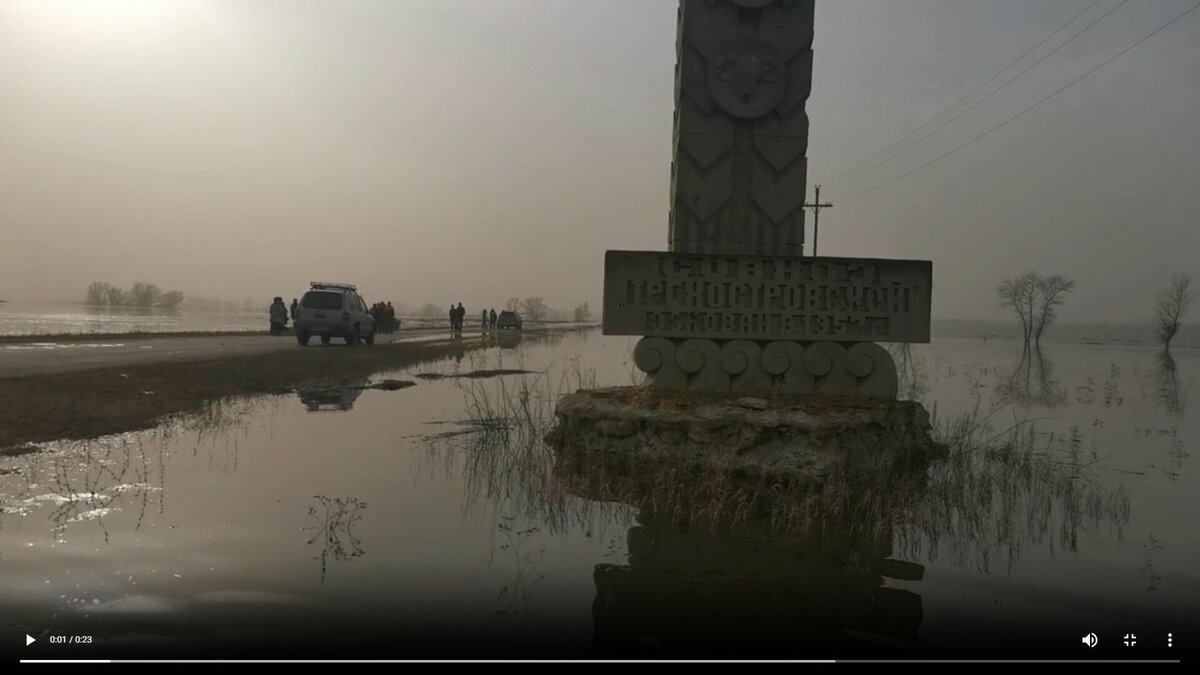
<point x="740" y="167"/>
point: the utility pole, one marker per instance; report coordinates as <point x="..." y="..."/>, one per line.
<point x="817" y="217"/>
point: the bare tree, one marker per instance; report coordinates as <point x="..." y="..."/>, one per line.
<point x="583" y="313"/>
<point x="170" y="300"/>
<point x="431" y="310"/>
<point x="1170" y="306"/>
<point x="513" y="304"/>
<point x="1017" y="295"/>
<point x="1051" y="293"/>
<point x="98" y="293"/>
<point x="143" y="294"/>
<point x="115" y="296"/>
<point x="1029" y="291"/>
<point x="535" y="308"/>
<point x="1033" y="299"/>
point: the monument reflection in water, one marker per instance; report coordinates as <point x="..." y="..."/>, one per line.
<point x="718" y="568"/>
<point x="709" y="592"/>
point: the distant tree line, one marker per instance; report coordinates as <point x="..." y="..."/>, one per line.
<point x="141" y="294"/>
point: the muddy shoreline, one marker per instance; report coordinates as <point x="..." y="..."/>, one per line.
<point x="91" y="403"/>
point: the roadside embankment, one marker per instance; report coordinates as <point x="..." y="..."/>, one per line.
<point x="80" y="404"/>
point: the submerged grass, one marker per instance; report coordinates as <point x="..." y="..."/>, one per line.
<point x="1003" y="489"/>
<point x="85" y="480"/>
<point x="501" y="451"/>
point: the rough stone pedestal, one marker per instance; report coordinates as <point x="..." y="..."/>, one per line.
<point x="785" y="437"/>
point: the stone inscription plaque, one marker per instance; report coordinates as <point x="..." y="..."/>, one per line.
<point x="680" y="295"/>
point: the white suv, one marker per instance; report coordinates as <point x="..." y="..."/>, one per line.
<point x="334" y="310"/>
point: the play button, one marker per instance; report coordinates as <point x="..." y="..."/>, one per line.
<point x="29" y="640"/>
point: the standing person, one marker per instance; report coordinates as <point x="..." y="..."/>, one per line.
<point x="279" y="316"/>
<point x="493" y="319"/>
<point x="391" y="318"/>
<point x="483" y="322"/>
<point x="295" y="306"/>
<point x="453" y="319"/>
<point x="462" y="318"/>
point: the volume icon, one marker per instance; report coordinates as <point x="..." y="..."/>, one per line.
<point x="1091" y="640"/>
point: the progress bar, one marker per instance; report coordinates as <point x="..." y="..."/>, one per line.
<point x="568" y="661"/>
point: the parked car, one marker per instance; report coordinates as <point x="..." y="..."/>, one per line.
<point x="330" y="310"/>
<point x="508" y="321"/>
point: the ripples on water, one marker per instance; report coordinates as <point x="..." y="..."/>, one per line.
<point x="435" y="522"/>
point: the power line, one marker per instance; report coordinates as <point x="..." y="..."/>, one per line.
<point x="969" y="95"/>
<point x="985" y="98"/>
<point x="1030" y="108"/>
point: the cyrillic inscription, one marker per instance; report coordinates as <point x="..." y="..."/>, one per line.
<point x="766" y="298"/>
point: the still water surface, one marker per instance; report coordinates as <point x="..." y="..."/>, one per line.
<point x="385" y="524"/>
<point x="25" y="318"/>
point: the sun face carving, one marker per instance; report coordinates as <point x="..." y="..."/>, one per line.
<point x="747" y="79"/>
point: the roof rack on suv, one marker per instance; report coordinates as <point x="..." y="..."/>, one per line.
<point x="324" y="284"/>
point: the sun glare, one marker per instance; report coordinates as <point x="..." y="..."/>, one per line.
<point x="108" y="18"/>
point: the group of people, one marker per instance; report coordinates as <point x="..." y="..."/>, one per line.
<point x="383" y="313"/>
<point x="458" y="314"/>
<point x="385" y="317"/>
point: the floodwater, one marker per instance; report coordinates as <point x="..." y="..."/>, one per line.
<point x="24" y="318"/>
<point x="430" y="522"/>
<point x="27" y="318"/>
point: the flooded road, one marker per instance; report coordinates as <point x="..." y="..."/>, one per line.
<point x="432" y="522"/>
<point x="21" y="359"/>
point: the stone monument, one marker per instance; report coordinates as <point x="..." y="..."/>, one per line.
<point x="734" y="308"/>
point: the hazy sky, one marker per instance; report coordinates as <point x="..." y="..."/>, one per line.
<point x="471" y="150"/>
